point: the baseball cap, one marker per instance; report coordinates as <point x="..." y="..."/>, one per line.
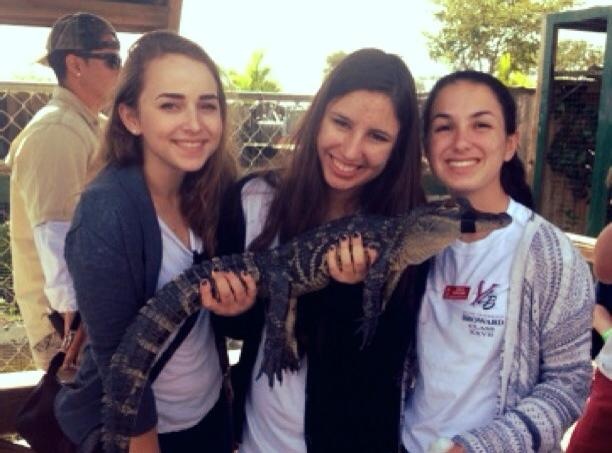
<point x="80" y="31"/>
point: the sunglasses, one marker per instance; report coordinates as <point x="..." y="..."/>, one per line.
<point x="111" y="59"/>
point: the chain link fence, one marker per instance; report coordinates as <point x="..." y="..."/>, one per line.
<point x="261" y="124"/>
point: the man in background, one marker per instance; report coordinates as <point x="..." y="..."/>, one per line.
<point x="49" y="161"/>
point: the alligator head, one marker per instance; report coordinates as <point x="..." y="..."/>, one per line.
<point x="436" y="225"/>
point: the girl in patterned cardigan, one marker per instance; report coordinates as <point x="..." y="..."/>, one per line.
<point x="504" y="330"/>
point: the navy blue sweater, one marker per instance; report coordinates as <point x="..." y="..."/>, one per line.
<point x="113" y="252"/>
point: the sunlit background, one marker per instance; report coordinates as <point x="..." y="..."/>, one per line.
<point x="296" y="37"/>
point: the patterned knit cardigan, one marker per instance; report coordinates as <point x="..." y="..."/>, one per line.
<point x="546" y="363"/>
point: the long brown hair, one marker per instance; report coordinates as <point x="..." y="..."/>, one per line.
<point x="201" y="191"/>
<point x="301" y="200"/>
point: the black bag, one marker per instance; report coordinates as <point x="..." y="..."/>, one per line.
<point x="36" y="421"/>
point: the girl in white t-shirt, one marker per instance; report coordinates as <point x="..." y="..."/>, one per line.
<point x="504" y="327"/>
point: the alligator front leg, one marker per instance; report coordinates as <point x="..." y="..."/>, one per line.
<point x="276" y="349"/>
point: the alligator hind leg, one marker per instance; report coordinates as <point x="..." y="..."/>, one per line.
<point x="293" y="359"/>
<point x="372" y="301"/>
<point x="392" y="281"/>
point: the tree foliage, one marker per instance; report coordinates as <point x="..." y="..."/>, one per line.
<point x="255" y="77"/>
<point x="332" y="60"/>
<point x="476" y="34"/>
<point x="577" y="55"/>
<point x="505" y="72"/>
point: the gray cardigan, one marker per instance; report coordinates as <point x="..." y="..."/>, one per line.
<point x="546" y="362"/>
<point x="113" y="252"/>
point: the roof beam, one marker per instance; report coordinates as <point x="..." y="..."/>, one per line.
<point x="125" y="16"/>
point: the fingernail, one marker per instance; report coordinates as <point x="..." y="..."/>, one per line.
<point x="344" y="237"/>
<point x="355" y="235"/>
<point x="332" y="247"/>
<point x="204" y="282"/>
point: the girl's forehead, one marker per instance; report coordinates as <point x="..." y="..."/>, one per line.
<point x="177" y="73"/>
<point x="465" y="96"/>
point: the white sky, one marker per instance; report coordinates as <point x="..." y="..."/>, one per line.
<point x="298" y="36"/>
<point x="295" y="36"/>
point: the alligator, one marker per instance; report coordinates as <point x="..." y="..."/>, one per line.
<point x="282" y="274"/>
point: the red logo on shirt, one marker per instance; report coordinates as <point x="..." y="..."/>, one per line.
<point x="453" y="292"/>
<point x="486" y="297"/>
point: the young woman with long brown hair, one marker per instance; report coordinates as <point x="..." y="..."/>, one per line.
<point x="153" y="206"/>
<point x="357" y="149"/>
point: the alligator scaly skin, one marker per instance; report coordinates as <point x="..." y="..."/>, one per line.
<point x="282" y="274"/>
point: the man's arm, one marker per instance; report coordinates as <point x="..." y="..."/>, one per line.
<point x="49" y="239"/>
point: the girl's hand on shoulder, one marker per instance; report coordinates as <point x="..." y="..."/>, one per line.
<point x="235" y="293"/>
<point x="456" y="448"/>
<point x="602" y="320"/>
<point x="145" y="442"/>
<point x="349" y="261"/>
<point x="444" y="445"/>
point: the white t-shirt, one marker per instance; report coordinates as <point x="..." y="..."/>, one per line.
<point x="274" y="417"/>
<point x="49" y="239"/>
<point x="460" y="334"/>
<point x="190" y="382"/>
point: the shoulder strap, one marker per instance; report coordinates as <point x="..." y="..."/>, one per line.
<point x="176" y="342"/>
<point x="182" y="333"/>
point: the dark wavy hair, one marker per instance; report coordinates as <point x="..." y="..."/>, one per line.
<point x="201" y="190"/>
<point x="301" y="201"/>
<point x="513" y="177"/>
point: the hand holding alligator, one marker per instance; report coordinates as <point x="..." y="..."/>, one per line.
<point x="229" y="293"/>
<point x="349" y="260"/>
